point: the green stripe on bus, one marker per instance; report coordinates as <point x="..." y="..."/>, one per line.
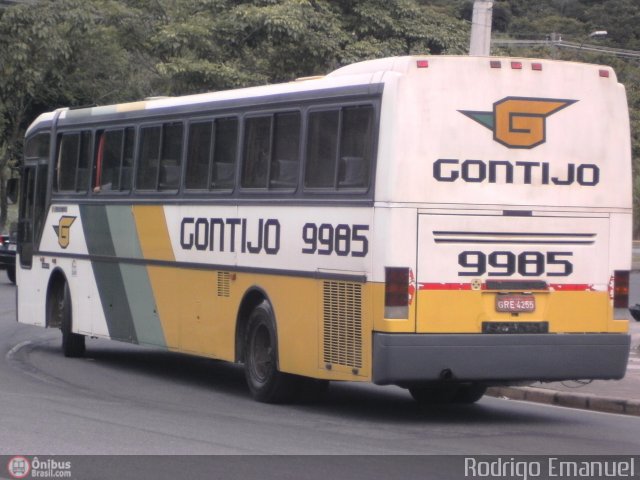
<point x="107" y="274"/>
<point x="135" y="277"/>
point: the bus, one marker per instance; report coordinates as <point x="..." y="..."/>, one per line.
<point x="439" y="223"/>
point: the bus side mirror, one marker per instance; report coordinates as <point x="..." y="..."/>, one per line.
<point x="12" y="189"/>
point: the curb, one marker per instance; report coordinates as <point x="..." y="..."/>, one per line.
<point x="582" y="401"/>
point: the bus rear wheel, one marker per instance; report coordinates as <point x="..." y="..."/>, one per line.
<point x="73" y="344"/>
<point x="470" y="393"/>
<point x="447" y="394"/>
<point x="266" y="383"/>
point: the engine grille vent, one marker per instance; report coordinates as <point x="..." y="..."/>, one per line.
<point x="224" y="284"/>
<point x="342" y="303"/>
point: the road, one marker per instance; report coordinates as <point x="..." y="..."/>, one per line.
<point x="124" y="399"/>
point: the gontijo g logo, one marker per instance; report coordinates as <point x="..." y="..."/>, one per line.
<point x="519" y="122"/>
<point x="62" y="230"/>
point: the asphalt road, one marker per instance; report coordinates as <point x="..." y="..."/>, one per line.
<point x="129" y="400"/>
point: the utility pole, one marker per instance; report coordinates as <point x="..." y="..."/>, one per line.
<point x="481" y="28"/>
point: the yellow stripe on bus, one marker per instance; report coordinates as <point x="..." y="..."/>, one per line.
<point x="464" y="312"/>
<point x="156" y="245"/>
<point x="153" y="232"/>
<point x="186" y="299"/>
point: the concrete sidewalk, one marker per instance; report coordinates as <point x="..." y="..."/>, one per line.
<point x="612" y="396"/>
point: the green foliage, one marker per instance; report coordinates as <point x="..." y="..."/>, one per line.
<point x="209" y="45"/>
<point x="68" y="52"/>
<point x="97" y="51"/>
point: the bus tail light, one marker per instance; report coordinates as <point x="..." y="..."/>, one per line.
<point x="621" y="289"/>
<point x="396" y="292"/>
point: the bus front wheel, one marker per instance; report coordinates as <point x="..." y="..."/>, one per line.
<point x="266" y="383"/>
<point x="73" y="344"/>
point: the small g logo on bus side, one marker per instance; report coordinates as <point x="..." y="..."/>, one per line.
<point x="519" y="122"/>
<point x="62" y="230"/>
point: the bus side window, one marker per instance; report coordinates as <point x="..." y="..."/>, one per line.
<point x="257" y="152"/>
<point x="211" y="154"/>
<point x="72" y="165"/>
<point x="199" y="155"/>
<point x="66" y="164"/>
<point x="322" y="144"/>
<point x="271" y="146"/>
<point x="339" y="148"/>
<point x="225" y="152"/>
<point x="171" y="158"/>
<point x="126" y="172"/>
<point x="83" y="175"/>
<point x="286" y="162"/>
<point x="113" y="156"/>
<point x="147" y="175"/>
<point x="37" y="146"/>
<point x="355" y="147"/>
<point x="108" y="161"/>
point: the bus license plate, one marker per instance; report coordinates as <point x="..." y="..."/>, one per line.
<point x="515" y="303"/>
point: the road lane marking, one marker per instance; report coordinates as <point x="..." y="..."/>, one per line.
<point x="11" y="353"/>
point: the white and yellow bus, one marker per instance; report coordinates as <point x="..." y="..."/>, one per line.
<point x="438" y="223"/>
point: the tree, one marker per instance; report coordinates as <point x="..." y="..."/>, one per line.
<point x="62" y="53"/>
<point x="212" y="44"/>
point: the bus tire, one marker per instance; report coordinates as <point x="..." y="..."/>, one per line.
<point x="11" y="273"/>
<point x="73" y="344"/>
<point x="266" y="383"/>
<point x="470" y="393"/>
<point x="447" y="394"/>
<point x="433" y="394"/>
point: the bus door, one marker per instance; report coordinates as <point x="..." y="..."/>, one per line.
<point x="33" y="196"/>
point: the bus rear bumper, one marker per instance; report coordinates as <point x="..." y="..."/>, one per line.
<point x="412" y="358"/>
